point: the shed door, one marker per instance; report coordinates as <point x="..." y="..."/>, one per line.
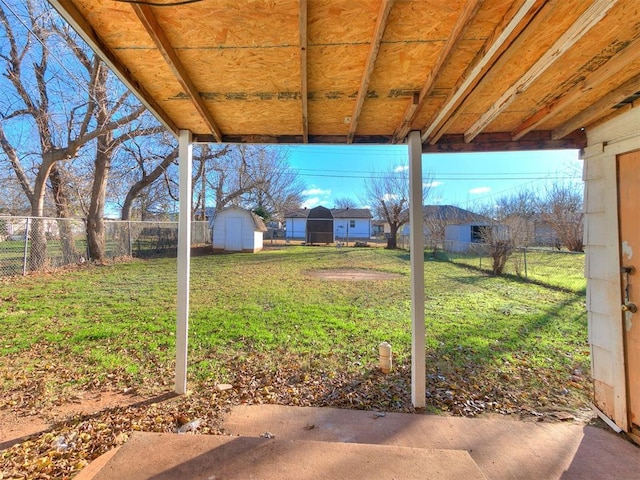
<point x="233" y="237"/>
<point x="629" y="213"/>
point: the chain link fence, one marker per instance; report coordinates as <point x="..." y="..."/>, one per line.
<point x="34" y="244"/>
<point x="548" y="266"/>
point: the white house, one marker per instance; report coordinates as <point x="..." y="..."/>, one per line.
<point x="237" y="230"/>
<point x="323" y="225"/>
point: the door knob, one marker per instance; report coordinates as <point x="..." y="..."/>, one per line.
<point x="629" y="307"/>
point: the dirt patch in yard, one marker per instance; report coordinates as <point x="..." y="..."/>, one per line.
<point x="351" y="274"/>
<point x="16" y="426"/>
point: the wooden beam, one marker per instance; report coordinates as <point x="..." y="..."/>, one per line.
<point x="453" y="41"/>
<point x="615" y="64"/>
<point x="568" y="39"/>
<point x="378" y="33"/>
<point x="70" y="13"/>
<point x="304" y="88"/>
<point x="599" y="109"/>
<point x="155" y="31"/>
<point x="512" y="24"/>
<point x="284" y="139"/>
<point x="502" y="142"/>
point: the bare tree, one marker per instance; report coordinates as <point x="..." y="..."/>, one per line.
<point x="496" y="239"/>
<point x="277" y="186"/>
<point x="562" y="208"/>
<point x="61" y="102"/>
<point x="518" y="212"/>
<point x="345" y="202"/>
<point x="388" y="193"/>
<point x="152" y="162"/>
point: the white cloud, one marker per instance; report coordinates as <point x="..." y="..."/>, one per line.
<point x="311" y="202"/>
<point x="433" y="184"/>
<point x="389" y="196"/>
<point x="479" y="190"/>
<point x="401" y="168"/>
<point x="316" y="191"/>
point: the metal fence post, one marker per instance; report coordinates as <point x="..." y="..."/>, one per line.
<point x="130" y="239"/>
<point x="525" y="263"/>
<point x="26" y="248"/>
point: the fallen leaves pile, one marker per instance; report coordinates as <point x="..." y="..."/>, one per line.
<point x="284" y="379"/>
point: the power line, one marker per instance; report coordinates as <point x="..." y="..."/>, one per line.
<point x="448" y="177"/>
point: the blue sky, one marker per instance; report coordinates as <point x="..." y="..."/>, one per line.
<point x="465" y="180"/>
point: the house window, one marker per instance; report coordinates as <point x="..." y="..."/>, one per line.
<point x="352" y="224"/>
<point x="480" y="233"/>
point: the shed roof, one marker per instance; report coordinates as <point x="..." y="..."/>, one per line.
<point x="469" y="75"/>
<point x="345" y="213"/>
<point x="258" y="222"/>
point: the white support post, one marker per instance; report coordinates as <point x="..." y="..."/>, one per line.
<point x="184" y="259"/>
<point x="416" y="244"/>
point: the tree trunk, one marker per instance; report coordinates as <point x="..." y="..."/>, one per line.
<point x="37" y="237"/>
<point x="70" y="253"/>
<point x="95" y="215"/>
<point x="392" y="239"/>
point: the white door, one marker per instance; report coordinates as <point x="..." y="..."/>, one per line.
<point x="233" y="237"/>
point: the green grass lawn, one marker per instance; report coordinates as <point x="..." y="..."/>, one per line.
<point x="262" y="324"/>
<point x="550" y="267"/>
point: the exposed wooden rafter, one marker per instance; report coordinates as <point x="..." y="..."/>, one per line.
<point x="599" y="109"/>
<point x="580" y="27"/>
<point x="502" y="142"/>
<point x="381" y="24"/>
<point x="148" y="19"/>
<point x="71" y="14"/>
<point x="615" y="64"/>
<point x="464" y="20"/>
<point x="513" y="23"/>
<point x="304" y="89"/>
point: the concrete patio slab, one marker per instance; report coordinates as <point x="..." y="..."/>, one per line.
<point x="161" y="456"/>
<point x="502" y="448"/>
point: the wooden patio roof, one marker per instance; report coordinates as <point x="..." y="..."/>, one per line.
<point x="470" y="75"/>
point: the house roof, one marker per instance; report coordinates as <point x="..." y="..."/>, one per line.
<point x="342" y="213"/>
<point x="472" y="75"/>
<point x="452" y="214"/>
<point x="351" y="213"/>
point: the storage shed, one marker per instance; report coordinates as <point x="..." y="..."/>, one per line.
<point x="237" y="230"/>
<point x="319" y="226"/>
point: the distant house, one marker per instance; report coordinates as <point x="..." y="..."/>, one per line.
<point x="237" y="230"/>
<point x="379" y="228"/>
<point x="438" y="217"/>
<point x="323" y="225"/>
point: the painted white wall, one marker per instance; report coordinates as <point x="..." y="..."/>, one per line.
<point x="248" y="235"/>
<point x="296" y="228"/>
<point x="605" y="142"/>
<point x="360" y="230"/>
